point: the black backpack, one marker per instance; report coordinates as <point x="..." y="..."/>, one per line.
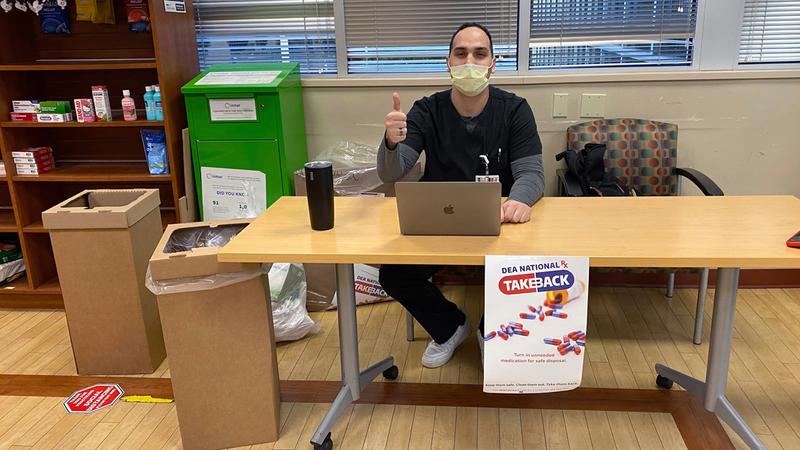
<point x="587" y="166"/>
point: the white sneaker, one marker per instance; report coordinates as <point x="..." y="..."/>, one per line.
<point x="437" y="355"/>
<point x="480" y="343"/>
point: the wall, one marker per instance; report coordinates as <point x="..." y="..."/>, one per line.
<point x="741" y="133"/>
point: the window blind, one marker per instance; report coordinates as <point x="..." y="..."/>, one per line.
<point x="389" y="36"/>
<point x="267" y="31"/>
<point x="770" y="32"/>
<point x="596" y="33"/>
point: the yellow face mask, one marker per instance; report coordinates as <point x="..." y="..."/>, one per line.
<point x="470" y="79"/>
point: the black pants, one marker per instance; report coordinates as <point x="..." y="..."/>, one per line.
<point x="409" y="285"/>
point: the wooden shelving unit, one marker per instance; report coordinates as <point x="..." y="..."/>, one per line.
<point x="114" y="124"/>
<point x="93" y="155"/>
<point x="122" y="64"/>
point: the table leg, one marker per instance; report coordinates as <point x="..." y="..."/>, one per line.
<point x="353" y="380"/>
<point x="712" y="392"/>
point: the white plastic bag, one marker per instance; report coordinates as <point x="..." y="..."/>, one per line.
<point x="287" y="289"/>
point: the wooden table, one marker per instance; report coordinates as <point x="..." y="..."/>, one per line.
<point x="728" y="233"/>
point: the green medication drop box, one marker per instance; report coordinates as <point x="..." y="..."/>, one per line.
<point x="247" y="131"/>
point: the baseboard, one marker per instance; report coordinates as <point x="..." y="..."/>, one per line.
<point x="31" y="301"/>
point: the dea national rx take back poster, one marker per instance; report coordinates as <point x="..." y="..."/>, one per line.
<point x="535" y="323"/>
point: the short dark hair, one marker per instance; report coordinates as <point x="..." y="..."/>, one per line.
<point x="471" y="25"/>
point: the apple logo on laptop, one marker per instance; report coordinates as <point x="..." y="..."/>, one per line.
<point x="449" y="209"/>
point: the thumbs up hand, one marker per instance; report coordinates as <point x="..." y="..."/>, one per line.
<point x="396" y="130"/>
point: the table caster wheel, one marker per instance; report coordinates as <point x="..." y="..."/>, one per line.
<point x="391" y="373"/>
<point x="327" y="444"/>
<point x="664" y="382"/>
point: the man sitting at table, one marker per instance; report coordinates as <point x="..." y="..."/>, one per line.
<point x="455" y="128"/>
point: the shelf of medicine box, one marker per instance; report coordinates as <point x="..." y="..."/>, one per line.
<point x="123" y="172"/>
<point x="168" y="216"/>
<point x="76" y="64"/>
<point x="112" y="124"/>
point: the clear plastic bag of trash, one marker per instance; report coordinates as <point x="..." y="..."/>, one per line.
<point x="348" y="155"/>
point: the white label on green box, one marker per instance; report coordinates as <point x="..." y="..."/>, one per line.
<point x="239" y="77"/>
<point x="232" y="193"/>
<point x="175" y="6"/>
<point x="232" y="109"/>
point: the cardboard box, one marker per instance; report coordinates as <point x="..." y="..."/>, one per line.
<point x="40" y="166"/>
<point x="55" y="107"/>
<point x="39" y="158"/>
<point x="321" y="278"/>
<point x="220" y="341"/>
<point x="25" y="106"/>
<point x="32" y="152"/>
<point x="22" y="117"/>
<point x="55" y="118"/>
<point x="102" y="104"/>
<point x="26" y="171"/>
<point x="84" y="111"/>
<point x="102" y="240"/>
<point x="321" y="286"/>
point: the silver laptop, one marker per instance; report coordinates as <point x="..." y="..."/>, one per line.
<point x="449" y="208"/>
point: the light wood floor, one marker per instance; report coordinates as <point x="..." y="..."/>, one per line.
<point x="629" y="331"/>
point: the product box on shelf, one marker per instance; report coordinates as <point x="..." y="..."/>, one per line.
<point x="55" y="107"/>
<point x="102" y="103"/>
<point x="25" y="106"/>
<point x="42" y="167"/>
<point x="21" y="171"/>
<point x="39" y="158"/>
<point x="32" y="152"/>
<point x="84" y="111"/>
<point x="54" y="118"/>
<point x="22" y="117"/>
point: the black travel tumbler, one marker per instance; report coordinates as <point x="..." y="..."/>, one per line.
<point x="319" y="191"/>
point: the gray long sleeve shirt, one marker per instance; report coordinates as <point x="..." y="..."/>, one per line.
<point x="528" y="171"/>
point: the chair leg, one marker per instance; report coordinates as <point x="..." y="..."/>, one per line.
<point x="701" y="306"/>
<point x="409" y="327"/>
<point x="670" y="284"/>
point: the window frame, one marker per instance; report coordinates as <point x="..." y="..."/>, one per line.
<point x="715" y="56"/>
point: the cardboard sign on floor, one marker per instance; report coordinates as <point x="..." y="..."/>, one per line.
<point x="535" y="327"/>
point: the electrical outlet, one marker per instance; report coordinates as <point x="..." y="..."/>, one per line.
<point x="560" y="104"/>
<point x="593" y="105"/>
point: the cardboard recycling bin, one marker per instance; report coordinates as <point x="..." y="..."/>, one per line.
<point x="217" y="321"/>
<point x="102" y="240"/>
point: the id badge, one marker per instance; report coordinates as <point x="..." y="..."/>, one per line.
<point x="487" y="178"/>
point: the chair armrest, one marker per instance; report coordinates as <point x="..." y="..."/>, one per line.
<point x="569" y="184"/>
<point x="701" y="180"/>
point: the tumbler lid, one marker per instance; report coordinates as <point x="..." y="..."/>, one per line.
<point x="318" y="165"/>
